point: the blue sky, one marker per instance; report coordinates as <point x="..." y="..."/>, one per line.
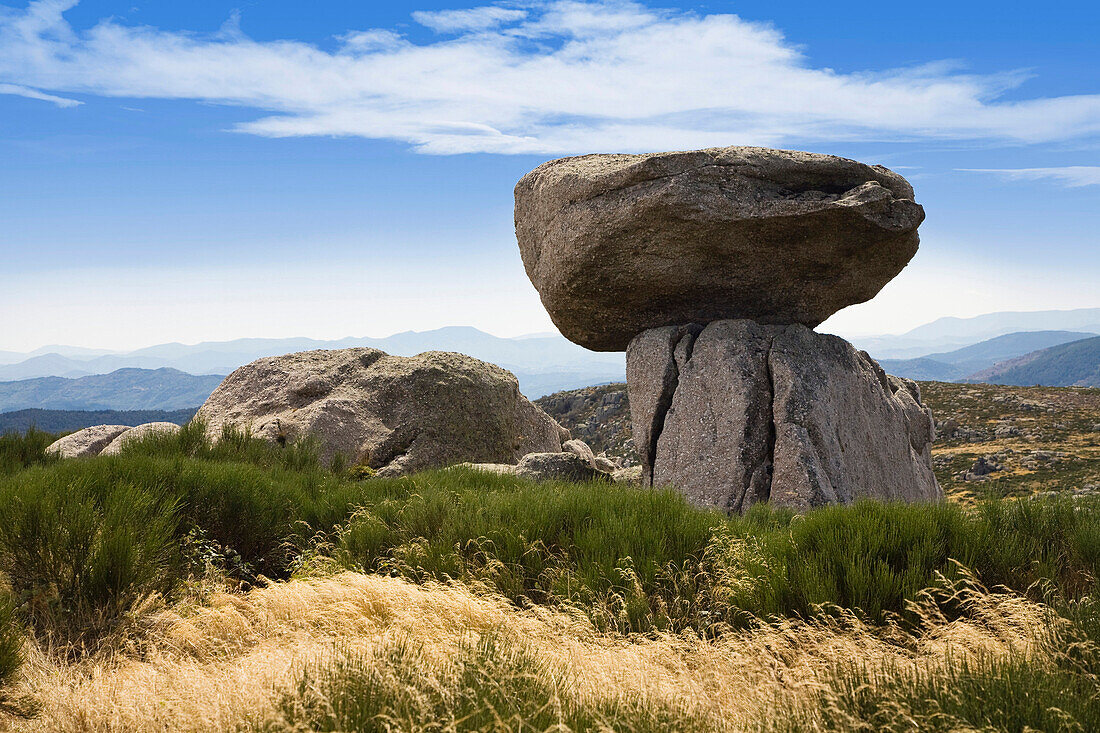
<point x="210" y="170"/>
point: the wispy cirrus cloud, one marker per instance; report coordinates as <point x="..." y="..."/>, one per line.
<point x="21" y="91"/>
<point x="549" y="77"/>
<point x="1073" y="176"/>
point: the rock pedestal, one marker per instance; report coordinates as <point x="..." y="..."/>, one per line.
<point x="738" y="412"/>
<point x="711" y="268"/>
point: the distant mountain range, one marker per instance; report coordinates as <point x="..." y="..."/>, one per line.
<point x="1000" y="347"/>
<point x="948" y="334"/>
<point x="124" y="389"/>
<point x="543" y="363"/>
<point x="962" y="363"/>
<point x="1076" y="364"/>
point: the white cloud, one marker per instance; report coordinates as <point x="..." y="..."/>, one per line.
<point x="1073" y="175"/>
<point x="21" y="91"/>
<point x="549" y="78"/>
<point x="471" y="19"/>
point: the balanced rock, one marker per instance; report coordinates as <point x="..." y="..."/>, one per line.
<point x="619" y="244"/>
<point x="395" y="414"/>
<point x="137" y="433"/>
<point x="739" y="412"/>
<point x="87" y="442"/>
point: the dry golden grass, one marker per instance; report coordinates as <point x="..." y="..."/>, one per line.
<point x="224" y="663"/>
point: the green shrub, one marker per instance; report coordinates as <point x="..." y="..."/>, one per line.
<point x="22" y="450"/>
<point x="634" y="558"/>
<point x="575" y="542"/>
<point x="233" y="446"/>
<point x="261" y="514"/>
<point x="877" y="557"/>
<point x="1052" y="540"/>
<point x="78" y="554"/>
<point x="990" y="694"/>
<point x="869" y="556"/>
<point x="11" y="641"/>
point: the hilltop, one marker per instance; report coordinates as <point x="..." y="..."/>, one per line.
<point x="124" y="389"/>
<point x="966" y="363"/>
<point x="1075" y="364"/>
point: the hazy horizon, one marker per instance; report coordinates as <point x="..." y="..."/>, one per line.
<point x="45" y="348"/>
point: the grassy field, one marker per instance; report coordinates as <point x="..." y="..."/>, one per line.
<point x="185" y="586"/>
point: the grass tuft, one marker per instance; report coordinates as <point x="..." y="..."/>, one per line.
<point x="22" y="450"/>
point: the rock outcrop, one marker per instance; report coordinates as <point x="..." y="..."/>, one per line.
<point x="565" y="466"/>
<point x="581" y="450"/>
<point x="619" y="244"/>
<point x="87" y="442"/>
<point x="739" y="412"/>
<point x="575" y="462"/>
<point x="598" y="415"/>
<point x="394" y="414"/>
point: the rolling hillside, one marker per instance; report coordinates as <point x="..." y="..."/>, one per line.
<point x="125" y="389"/>
<point x="947" y="334"/>
<point x="1076" y="364"/>
<point x="955" y="365"/>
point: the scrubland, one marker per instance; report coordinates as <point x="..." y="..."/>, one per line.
<point x="247" y="587"/>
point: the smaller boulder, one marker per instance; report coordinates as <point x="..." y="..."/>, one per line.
<point x="135" y="434"/>
<point x="396" y="414"/>
<point x="581" y="449"/>
<point x="605" y="464"/>
<point x="87" y="442"/>
<point x="556" y="467"/>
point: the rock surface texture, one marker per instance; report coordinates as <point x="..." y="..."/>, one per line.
<point x="620" y="244"/>
<point x="87" y="442"/>
<point x="566" y="466"/>
<point x="739" y="412"/>
<point x="395" y="414"/>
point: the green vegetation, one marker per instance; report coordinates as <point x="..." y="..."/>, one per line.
<point x="11" y="642"/>
<point x="89" y="538"/>
<point x="878" y="558"/>
<point x="22" y="451"/>
<point x="86" y="544"/>
<point x="580" y="543"/>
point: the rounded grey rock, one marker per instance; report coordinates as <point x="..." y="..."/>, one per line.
<point x="395" y="414"/>
<point x="86" y="442"/>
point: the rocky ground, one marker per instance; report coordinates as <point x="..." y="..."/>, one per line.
<point x="991" y="439"/>
<point x="1014" y="441"/>
<point x="600" y="416"/>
